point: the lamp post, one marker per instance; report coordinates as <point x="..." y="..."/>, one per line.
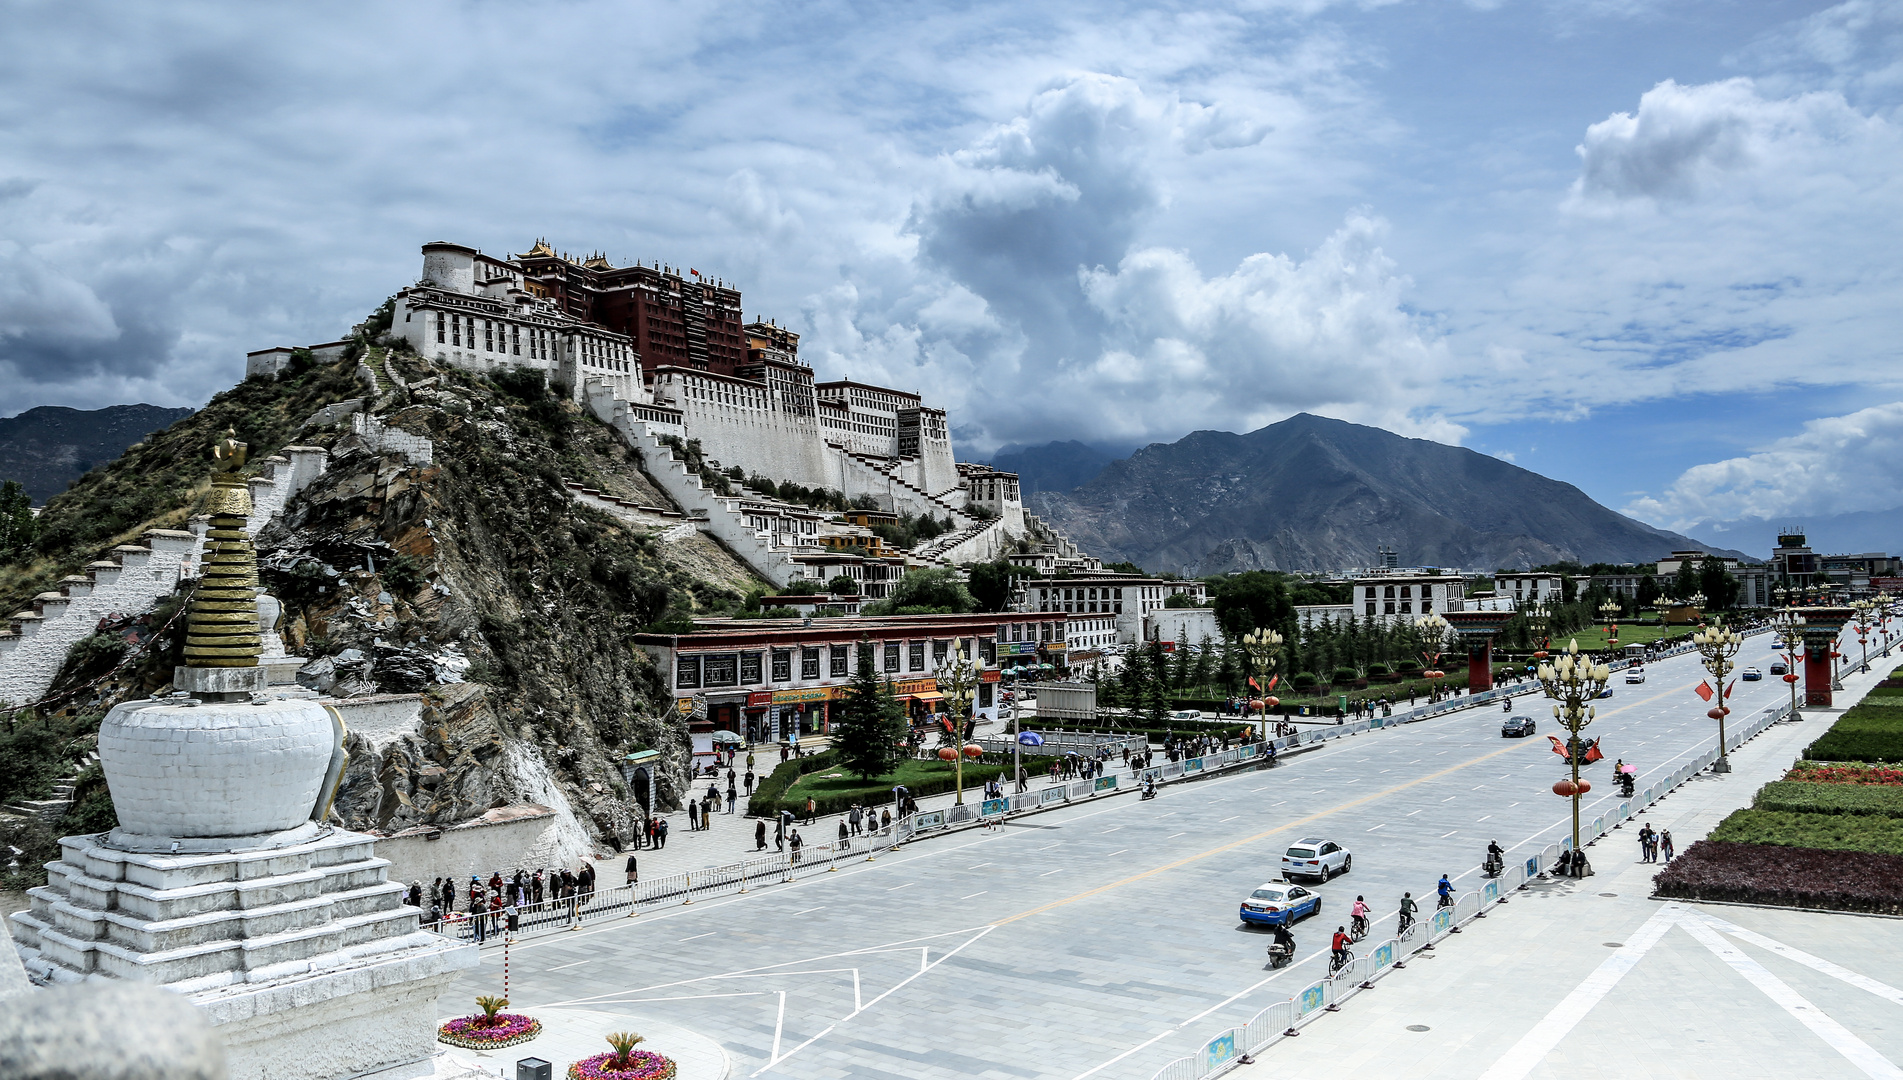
<point x="1716" y="646"/>
<point x="1789" y="627"/>
<point x="1573" y="681"/>
<point x="1862" y="620"/>
<point x="1537" y="615"/>
<point x="1610" y="611"/>
<point x="1263" y="646"/>
<point x="958" y="681"/>
<point x="1434" y="632"/>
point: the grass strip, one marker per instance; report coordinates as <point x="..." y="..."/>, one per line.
<point x="1822" y="832"/>
<point x="1806" y="798"/>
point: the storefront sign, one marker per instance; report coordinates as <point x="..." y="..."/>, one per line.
<point x="810" y="693"/>
<point x="907" y="687"/>
<point x="990" y="675"/>
<point x="1018" y="648"/>
<point x="760" y="699"/>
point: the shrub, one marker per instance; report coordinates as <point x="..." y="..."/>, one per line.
<point x="1407" y="666"/>
<point x="1805" y="798"/>
<point x="1304" y="680"/>
<point x="1343" y="675"/>
<point x="1377" y="669"/>
<point x="1824" y="832"/>
<point x="1868" y="731"/>
<point x="1784" y="876"/>
<point x="1829" y="772"/>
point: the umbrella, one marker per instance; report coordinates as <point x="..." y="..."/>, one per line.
<point x="1628" y="768"/>
<point x="1031" y="738"/>
<point x="727" y="738"/>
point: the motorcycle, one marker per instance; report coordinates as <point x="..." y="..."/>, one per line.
<point x="1493" y="866"/>
<point x="1149" y="790"/>
<point x="1280" y="955"/>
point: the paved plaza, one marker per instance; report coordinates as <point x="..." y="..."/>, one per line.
<point x="1101" y="940"/>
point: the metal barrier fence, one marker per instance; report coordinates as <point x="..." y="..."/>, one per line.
<point x="1284" y="1017"/>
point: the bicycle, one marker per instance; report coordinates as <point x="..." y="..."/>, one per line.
<point x="1406" y="928"/>
<point x="1340" y="959"/>
<point x="1358" y="927"/>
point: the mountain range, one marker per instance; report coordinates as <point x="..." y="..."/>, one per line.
<point x="1311" y="493"/>
<point x="49" y="447"/>
<point x="1057" y="466"/>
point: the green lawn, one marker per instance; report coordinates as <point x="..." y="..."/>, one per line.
<point x="836" y="789"/>
<point x="1593" y="638"/>
<point x="1829" y="832"/>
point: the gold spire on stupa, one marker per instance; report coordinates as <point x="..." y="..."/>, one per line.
<point x="222" y="626"/>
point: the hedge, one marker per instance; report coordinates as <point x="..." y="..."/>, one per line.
<point x="1872" y="799"/>
<point x="1822" y="832"/>
<point x="1869" y="731"/>
<point x="938" y="778"/>
<point x="1783" y="876"/>
<point x="766" y="794"/>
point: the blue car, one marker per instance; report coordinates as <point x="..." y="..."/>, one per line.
<point x="1278" y="904"/>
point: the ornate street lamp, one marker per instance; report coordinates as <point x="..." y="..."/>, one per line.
<point x="1263" y="646"/>
<point x="1573" y="681"/>
<point x="958" y="681"/>
<point x="1538" y="616"/>
<point x="1434" y="634"/>
<point x="1716" y="646"/>
<point x="1610" y="612"/>
<point x="1862" y="620"/>
<point x="1789" y="627"/>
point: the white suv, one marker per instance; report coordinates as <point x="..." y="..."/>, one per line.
<point x="1635" y="675"/>
<point x="1316" y="858"/>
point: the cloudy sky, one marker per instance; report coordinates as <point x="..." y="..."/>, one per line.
<point x="1649" y="248"/>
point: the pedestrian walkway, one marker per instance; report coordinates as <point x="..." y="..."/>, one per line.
<point x="1593" y="978"/>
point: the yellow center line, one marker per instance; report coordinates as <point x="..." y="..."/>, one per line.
<point x="1317" y="816"/>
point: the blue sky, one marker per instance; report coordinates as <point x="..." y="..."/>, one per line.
<point x="1647" y="248"/>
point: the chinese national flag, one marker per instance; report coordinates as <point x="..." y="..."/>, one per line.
<point x="1703" y="690"/>
<point x="1273" y="680"/>
<point x="1558" y="747"/>
<point x="1592" y="751"/>
<point x="1729" y="690"/>
<point x="1257" y="687"/>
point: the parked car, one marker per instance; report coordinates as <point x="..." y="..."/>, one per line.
<point x="1274" y="903"/>
<point x="1752" y="674"/>
<point x="1315" y="857"/>
<point x="1186" y="714"/>
<point x="1517" y="727"/>
<point x="1778" y="668"/>
<point x="1635" y="675"/>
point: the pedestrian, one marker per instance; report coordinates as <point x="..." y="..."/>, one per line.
<point x="535" y="883"/>
<point x="797" y="844"/>
<point x="811" y="809"/>
<point x="747" y="784"/>
<point x="759" y="834"/>
<point x="1665" y="843"/>
<point x="853" y="817"/>
<point x="843" y="835"/>
<point x="783" y="749"/>
<point x="732" y="798"/>
<point x="660" y="833"/>
<point x="633" y="871"/>
<point x="749" y="764"/>
<point x="885" y="820"/>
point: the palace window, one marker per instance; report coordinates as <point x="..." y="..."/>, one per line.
<point x="749" y="667"/>
<point x="687" y="672"/>
<point x="442" y="328"/>
<point x="782" y="665"/>
<point x="838" y="667"/>
<point x="916" y="656"/>
<point x="892" y="656"/>
<point x="809" y="663"/>
<point x="718" y="670"/>
<point x="488" y="336"/>
<point x="456" y="330"/>
<point x="515" y="336"/>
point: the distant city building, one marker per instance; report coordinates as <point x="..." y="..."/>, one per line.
<point x="1525" y="588"/>
<point x="1129" y="598"/>
<point x="1407" y="596"/>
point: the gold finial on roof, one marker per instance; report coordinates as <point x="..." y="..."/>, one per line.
<point x="221" y="629"/>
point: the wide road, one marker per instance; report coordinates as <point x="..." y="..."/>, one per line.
<point x="1100" y="940"/>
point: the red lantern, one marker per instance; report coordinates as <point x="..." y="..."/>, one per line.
<point x="946" y="753"/>
<point x="1255" y="704"/>
<point x="1717" y="713"/>
<point x="1563" y="789"/>
<point x="1272" y="702"/>
<point x="1792" y="677"/>
<point x="1585" y="786"/>
<point x="972" y="750"/>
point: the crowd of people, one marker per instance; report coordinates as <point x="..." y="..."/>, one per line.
<point x="497" y="905"/>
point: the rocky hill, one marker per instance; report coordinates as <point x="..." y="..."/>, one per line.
<point x="49" y="447"/>
<point x="1311" y="493"/>
<point x="462" y="571"/>
<point x="1056" y="466"/>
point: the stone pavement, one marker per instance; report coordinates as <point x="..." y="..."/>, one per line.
<point x="1593" y="978"/>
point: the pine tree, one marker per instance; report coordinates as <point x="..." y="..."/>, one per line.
<point x="1179" y="675"/>
<point x="869" y="723"/>
<point x="1157" y="701"/>
<point x="1226" y="670"/>
<point x="18" y="526"/>
<point x="1199" y="675"/>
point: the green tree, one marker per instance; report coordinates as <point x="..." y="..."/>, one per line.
<point x="18" y="526"/>
<point x="1156" y="702"/>
<point x="1256" y="598"/>
<point x="869" y="722"/>
<point x="1685" y="582"/>
<point x="991" y="584"/>
<point x="1719" y="587"/>
<point x="843" y="585"/>
<point x="1179" y="673"/>
<point x="933" y="590"/>
<point x="1648" y="591"/>
<point x="1200" y="674"/>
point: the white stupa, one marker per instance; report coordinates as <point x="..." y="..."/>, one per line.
<point x="223" y="881"/>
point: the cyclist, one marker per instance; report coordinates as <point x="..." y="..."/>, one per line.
<point x="1342" y="941"/>
<point x="1446" y="890"/>
<point x="1360" y="920"/>
<point x="1408" y="908"/>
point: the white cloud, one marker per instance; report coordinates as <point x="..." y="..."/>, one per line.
<point x="1835" y="465"/>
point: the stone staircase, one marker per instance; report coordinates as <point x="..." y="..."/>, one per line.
<point x="130" y="580"/>
<point x="907" y="497"/>
<point x="54" y="807"/>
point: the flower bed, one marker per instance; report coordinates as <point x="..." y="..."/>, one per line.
<point x="1785" y="877"/>
<point x="481" y="1033"/>
<point x="642" y="1065"/>
<point x="1832" y="772"/>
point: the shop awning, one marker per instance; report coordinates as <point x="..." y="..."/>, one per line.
<point x="932" y="696"/>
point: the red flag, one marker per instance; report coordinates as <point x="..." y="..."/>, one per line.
<point x="1253" y="684"/>
<point x="1558" y="747"/>
<point x="1703" y="690"/>
<point x="1592" y="751"/>
<point x="693" y="271"/>
<point x="1273" y="679"/>
<point x="1729" y="690"/>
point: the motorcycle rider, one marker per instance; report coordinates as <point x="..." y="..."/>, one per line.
<point x="1496" y="858"/>
<point x="1283" y="940"/>
<point x="1360" y="920"/>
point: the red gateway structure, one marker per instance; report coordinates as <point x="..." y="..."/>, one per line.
<point x="1477" y="630"/>
<point x="1821" y="627"/>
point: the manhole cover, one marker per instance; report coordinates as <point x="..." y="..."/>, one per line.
<point x="1614" y="944"/>
<point x="1608" y="894"/>
<point x="1417" y="1027"/>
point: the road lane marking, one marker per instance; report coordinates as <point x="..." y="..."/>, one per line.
<point x="1119" y="851"/>
<point x="1380" y="826"/>
<point x="1228" y="819"/>
<point x="973" y="894"/>
<point x="697" y="937"/>
<point x="1483" y="819"/>
<point x="577" y="963"/>
<point x="808" y="910"/>
<point x="1174" y="835"/>
<point x="1048" y="873"/>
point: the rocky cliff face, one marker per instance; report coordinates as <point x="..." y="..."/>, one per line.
<point x="1311" y="493"/>
<point x="475" y="580"/>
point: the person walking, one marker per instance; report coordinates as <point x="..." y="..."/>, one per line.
<point x="1665" y="844"/>
<point x="759" y="834"/>
<point x="660" y="833"/>
<point x="844" y="838"/>
<point x="633" y="871"/>
<point x="885" y="820"/>
<point x="797" y="843"/>
<point x="811" y="809"/>
<point x="852" y="816"/>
